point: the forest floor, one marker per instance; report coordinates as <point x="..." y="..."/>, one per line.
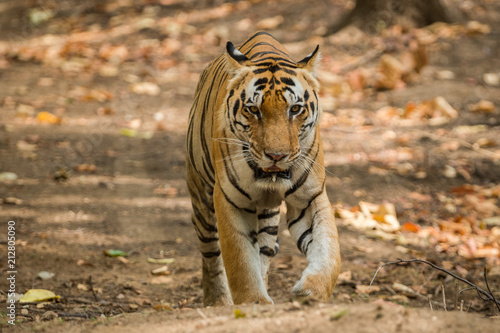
<point x="94" y="99"/>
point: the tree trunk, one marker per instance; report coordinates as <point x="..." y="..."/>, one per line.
<point x="373" y="15"/>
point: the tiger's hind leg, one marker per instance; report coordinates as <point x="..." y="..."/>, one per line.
<point x="267" y="237"/>
<point x="215" y="286"/>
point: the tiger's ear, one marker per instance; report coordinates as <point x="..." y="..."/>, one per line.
<point x="311" y="62"/>
<point x="235" y="57"/>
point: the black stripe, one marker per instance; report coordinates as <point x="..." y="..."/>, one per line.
<point x="201" y="219"/>
<point x="253" y="236"/>
<point x="210" y="254"/>
<point x="301" y="239"/>
<point x="264" y="53"/>
<point x="262" y="44"/>
<point x="248" y="210"/>
<point x="307" y="245"/>
<point x="304" y="176"/>
<point x="271" y="230"/>
<point x="200" y="235"/>
<point x="257" y="34"/>
<point x="206" y="154"/>
<point x="290" y="90"/>
<point x="231" y="176"/>
<point x="236" y="107"/>
<point x="267" y="251"/>
<point x="302" y="213"/>
<point x="275" y="59"/>
<point x="260" y="81"/>
<point x="245" y="127"/>
<point x="268" y="214"/>
<point x="306" y="95"/>
<point x="287" y="80"/>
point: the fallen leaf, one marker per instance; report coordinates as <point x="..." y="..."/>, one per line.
<point x="270" y="23"/>
<point x="115" y="253"/>
<point x="400" y="299"/>
<point x="162" y="279"/>
<point x="162" y="307"/>
<point x="474" y="129"/>
<point x="44" y="275"/>
<point x="7" y="176"/>
<point x="49" y="315"/>
<point x="336" y="315"/>
<point x="164" y="261"/>
<point x="47" y="118"/>
<point x="442" y="105"/>
<point x="81" y="286"/>
<point x="404" y="289"/>
<point x="365" y="289"/>
<point x="38" y="295"/>
<point x="145" y="88"/>
<point x="25" y="146"/>
<point x="131" y="133"/>
<point x="123" y="260"/>
<point x="411" y="227"/>
<point x="161" y="271"/>
<point x="167" y="191"/>
<point x="491" y="79"/>
<point x="477" y="28"/>
<point x="345" y="276"/>
<point x="492" y="221"/>
<point x="13" y="201"/>
<point x="390" y="72"/>
<point x="83" y="262"/>
<point x="239" y="314"/>
<point x="483" y="106"/>
<point x="90" y="168"/>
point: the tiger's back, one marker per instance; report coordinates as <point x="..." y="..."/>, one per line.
<point x="253" y="142"/>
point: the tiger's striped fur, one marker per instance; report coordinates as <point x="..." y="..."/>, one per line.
<point x="253" y="142"/>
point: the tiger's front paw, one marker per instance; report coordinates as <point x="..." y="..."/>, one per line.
<point x="249" y="297"/>
<point x="318" y="286"/>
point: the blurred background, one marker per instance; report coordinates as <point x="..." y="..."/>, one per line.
<point x="94" y="99"/>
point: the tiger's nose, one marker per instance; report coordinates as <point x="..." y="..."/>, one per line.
<point x="276" y="156"/>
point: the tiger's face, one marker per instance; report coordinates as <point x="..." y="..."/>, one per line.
<point x="273" y="109"/>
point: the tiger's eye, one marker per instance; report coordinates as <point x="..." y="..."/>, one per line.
<point x="253" y="109"/>
<point x="295" y="110"/>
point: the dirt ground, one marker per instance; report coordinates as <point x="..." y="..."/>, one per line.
<point x="107" y="173"/>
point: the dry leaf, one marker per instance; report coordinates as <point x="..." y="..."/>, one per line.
<point x="162" y="279"/>
<point x="483" y="106"/>
<point x="270" y="23"/>
<point x="38" y="295"/>
<point x="145" y="88"/>
<point x="364" y="289"/>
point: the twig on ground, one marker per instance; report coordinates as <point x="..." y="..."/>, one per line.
<point x="466" y="144"/>
<point x="444" y="298"/>
<point x="488" y="295"/>
<point x="489" y="290"/>
<point x="92" y="289"/>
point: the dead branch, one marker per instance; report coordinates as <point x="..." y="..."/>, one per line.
<point x="488" y="295"/>
<point x="92" y="289"/>
<point x="474" y="147"/>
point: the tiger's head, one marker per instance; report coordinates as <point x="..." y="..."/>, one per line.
<point x="272" y="105"/>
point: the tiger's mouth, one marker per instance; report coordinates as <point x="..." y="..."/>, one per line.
<point x="272" y="172"/>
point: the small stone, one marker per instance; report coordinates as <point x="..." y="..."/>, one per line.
<point x="44" y="275"/>
<point x="13" y="201"/>
<point x="449" y="171"/>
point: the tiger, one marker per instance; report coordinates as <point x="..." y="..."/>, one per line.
<point x="253" y="141"/>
